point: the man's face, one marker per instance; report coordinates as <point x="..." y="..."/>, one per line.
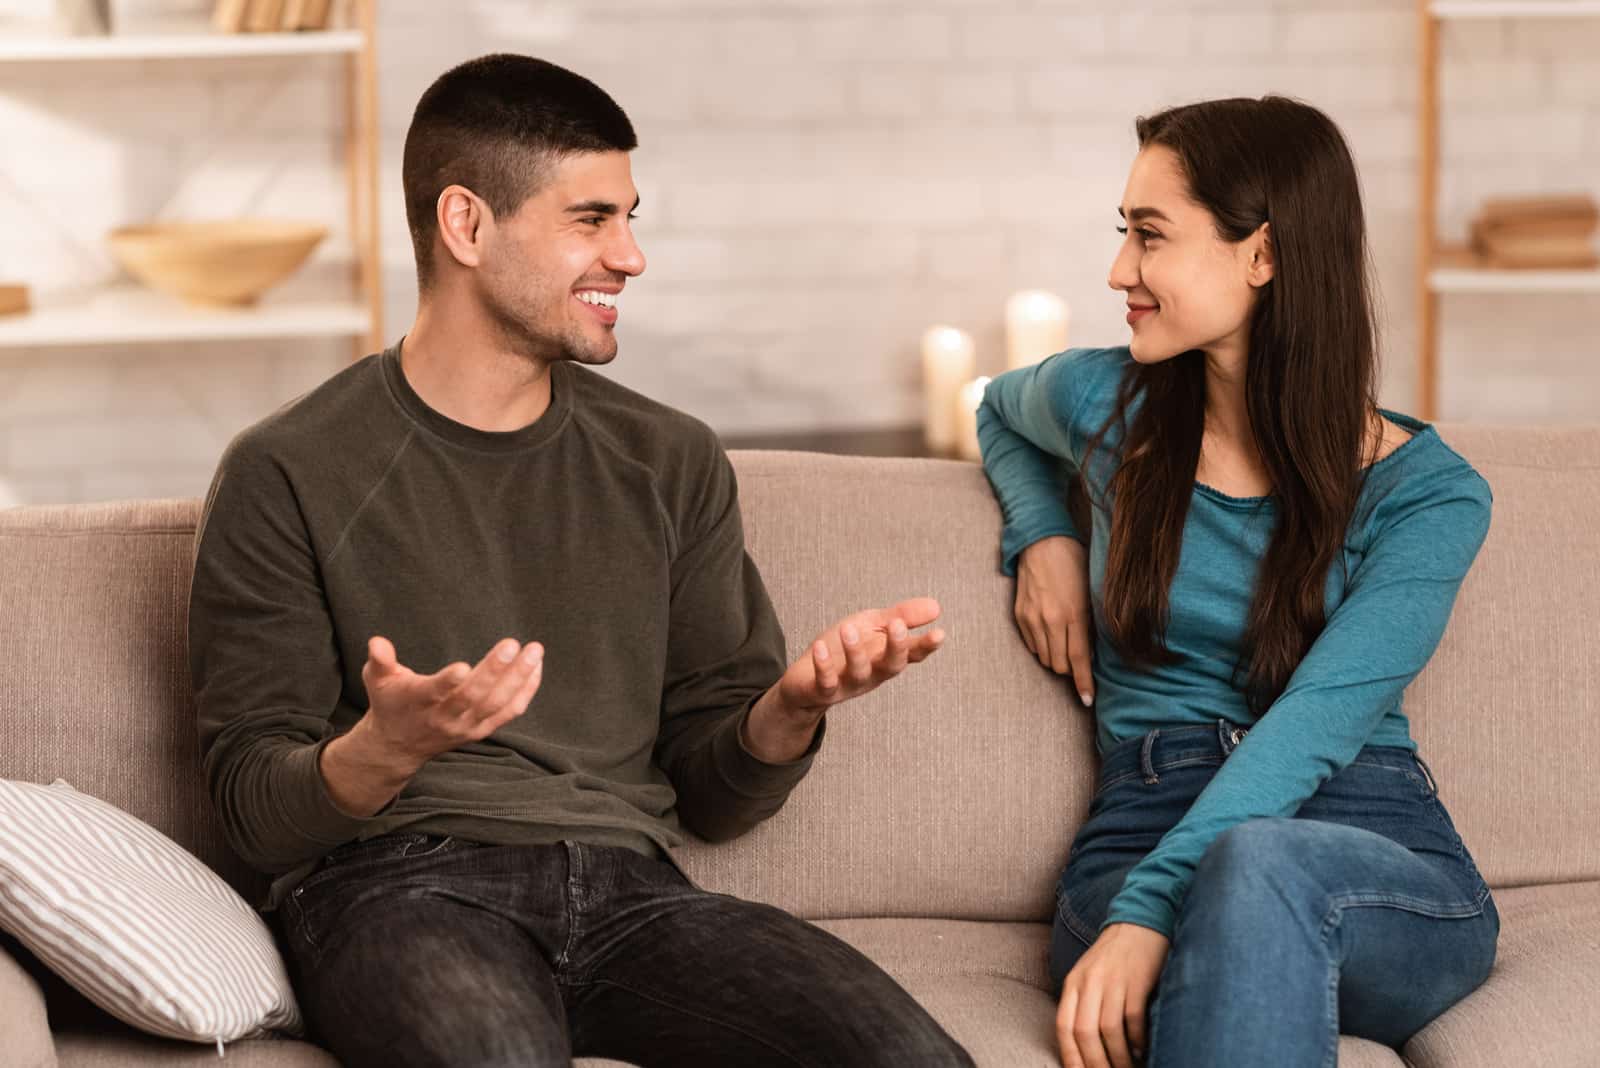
<point x="555" y="269"/>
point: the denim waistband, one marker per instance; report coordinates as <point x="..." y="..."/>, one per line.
<point x="1165" y="748"/>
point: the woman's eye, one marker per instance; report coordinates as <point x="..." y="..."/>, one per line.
<point x="1144" y="235"/>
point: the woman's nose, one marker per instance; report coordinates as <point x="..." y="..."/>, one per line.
<point x="1124" y="269"/>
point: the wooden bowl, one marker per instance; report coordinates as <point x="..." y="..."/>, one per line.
<point x="230" y="261"/>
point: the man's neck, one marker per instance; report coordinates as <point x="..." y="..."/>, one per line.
<point x="471" y="376"/>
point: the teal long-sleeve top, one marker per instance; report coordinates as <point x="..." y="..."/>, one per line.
<point x="1421" y="518"/>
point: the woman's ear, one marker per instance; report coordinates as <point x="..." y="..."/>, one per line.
<point x="1260" y="266"/>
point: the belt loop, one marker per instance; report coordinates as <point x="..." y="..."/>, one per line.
<point x="1427" y="773"/>
<point x="1149" y="769"/>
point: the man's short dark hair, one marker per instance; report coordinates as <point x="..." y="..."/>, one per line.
<point x="495" y="125"/>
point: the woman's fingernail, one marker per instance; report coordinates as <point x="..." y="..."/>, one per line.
<point x="508" y="652"/>
<point x="822" y="651"/>
<point x="848" y="633"/>
<point x="1088" y="699"/>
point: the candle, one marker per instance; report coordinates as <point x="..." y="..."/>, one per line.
<point x="947" y="361"/>
<point x="1036" y="327"/>
<point x="970" y="398"/>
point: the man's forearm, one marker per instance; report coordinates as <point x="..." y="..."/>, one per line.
<point x="776" y="734"/>
<point x="360" y="776"/>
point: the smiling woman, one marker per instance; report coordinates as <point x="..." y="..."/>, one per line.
<point x="1272" y="559"/>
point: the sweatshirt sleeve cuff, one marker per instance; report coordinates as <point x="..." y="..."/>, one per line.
<point x="310" y="808"/>
<point x="1013" y="542"/>
<point x="746" y="774"/>
<point x="1157" y="916"/>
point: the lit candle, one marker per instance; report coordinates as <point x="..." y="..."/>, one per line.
<point x="1036" y="327"/>
<point x="948" y="358"/>
<point x="967" y="418"/>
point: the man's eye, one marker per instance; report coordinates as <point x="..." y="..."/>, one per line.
<point x="595" y="220"/>
<point x="632" y="216"/>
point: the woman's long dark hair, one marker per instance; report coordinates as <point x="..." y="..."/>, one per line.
<point x="1309" y="386"/>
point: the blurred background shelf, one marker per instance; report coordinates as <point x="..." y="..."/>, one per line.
<point x="1523" y="9"/>
<point x="131" y="315"/>
<point x="194" y="44"/>
<point x="1435" y="274"/>
<point x="120" y="314"/>
<point x="1479" y="280"/>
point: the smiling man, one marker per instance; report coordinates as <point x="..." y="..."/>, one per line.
<point x="473" y="633"/>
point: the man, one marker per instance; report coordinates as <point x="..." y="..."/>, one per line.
<point x="473" y="631"/>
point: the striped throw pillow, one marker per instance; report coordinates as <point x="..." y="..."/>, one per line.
<point x="134" y="921"/>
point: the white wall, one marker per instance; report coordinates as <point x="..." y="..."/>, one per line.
<point x="822" y="179"/>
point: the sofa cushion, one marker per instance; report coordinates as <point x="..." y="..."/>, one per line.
<point x="80" y="1050"/>
<point x="112" y="578"/>
<point x="988" y="983"/>
<point x="24" y="1022"/>
<point x="1517" y="677"/>
<point x="132" y="920"/>
<point x="955" y="790"/>
<point x="1538" y="1005"/>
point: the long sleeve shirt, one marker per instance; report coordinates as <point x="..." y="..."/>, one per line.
<point x="608" y="530"/>
<point x="1423" y="513"/>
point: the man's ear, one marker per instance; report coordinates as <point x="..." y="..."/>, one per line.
<point x="463" y="220"/>
<point x="1260" y="267"/>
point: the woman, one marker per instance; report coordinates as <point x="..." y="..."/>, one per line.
<point x="1272" y="560"/>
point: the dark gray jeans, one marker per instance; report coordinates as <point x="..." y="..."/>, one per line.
<point x="413" y="949"/>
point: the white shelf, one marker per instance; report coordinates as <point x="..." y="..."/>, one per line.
<point x="126" y="314"/>
<point x="1509" y="9"/>
<point x="1468" y="280"/>
<point x="192" y="44"/>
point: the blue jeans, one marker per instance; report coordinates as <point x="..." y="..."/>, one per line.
<point x="417" y="950"/>
<point x="1362" y="914"/>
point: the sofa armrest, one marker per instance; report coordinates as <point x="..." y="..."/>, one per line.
<point x="24" y="1026"/>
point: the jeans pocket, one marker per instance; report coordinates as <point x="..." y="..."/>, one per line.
<point x="1067" y="917"/>
<point x="355" y="865"/>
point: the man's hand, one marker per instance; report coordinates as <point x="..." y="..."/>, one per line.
<point x="413" y="718"/>
<point x="1101" y="1019"/>
<point x="853" y="657"/>
<point x="1053" y="610"/>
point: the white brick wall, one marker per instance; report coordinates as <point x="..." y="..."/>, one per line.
<point x="822" y="179"/>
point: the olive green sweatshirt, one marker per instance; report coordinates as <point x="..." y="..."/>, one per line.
<point x="608" y="530"/>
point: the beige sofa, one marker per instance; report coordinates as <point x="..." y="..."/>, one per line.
<point x="931" y="831"/>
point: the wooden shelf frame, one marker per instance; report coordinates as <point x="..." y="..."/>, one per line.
<point x="1513" y="9"/>
<point x="131" y="314"/>
<point x="43" y="48"/>
<point x="118" y="315"/>
<point x="1432" y="279"/>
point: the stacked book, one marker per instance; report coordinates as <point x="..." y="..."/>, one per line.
<point x="1548" y="232"/>
<point x="271" y="16"/>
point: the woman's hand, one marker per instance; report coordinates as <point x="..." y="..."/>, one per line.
<point x="1052" y="609"/>
<point x="1101" y="1019"/>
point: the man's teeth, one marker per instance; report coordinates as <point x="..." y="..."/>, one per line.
<point x="604" y="300"/>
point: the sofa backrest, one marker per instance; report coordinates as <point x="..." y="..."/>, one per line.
<point x="952" y="792"/>
<point x="956" y="791"/>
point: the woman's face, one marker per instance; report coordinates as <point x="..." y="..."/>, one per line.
<point x="1187" y="287"/>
